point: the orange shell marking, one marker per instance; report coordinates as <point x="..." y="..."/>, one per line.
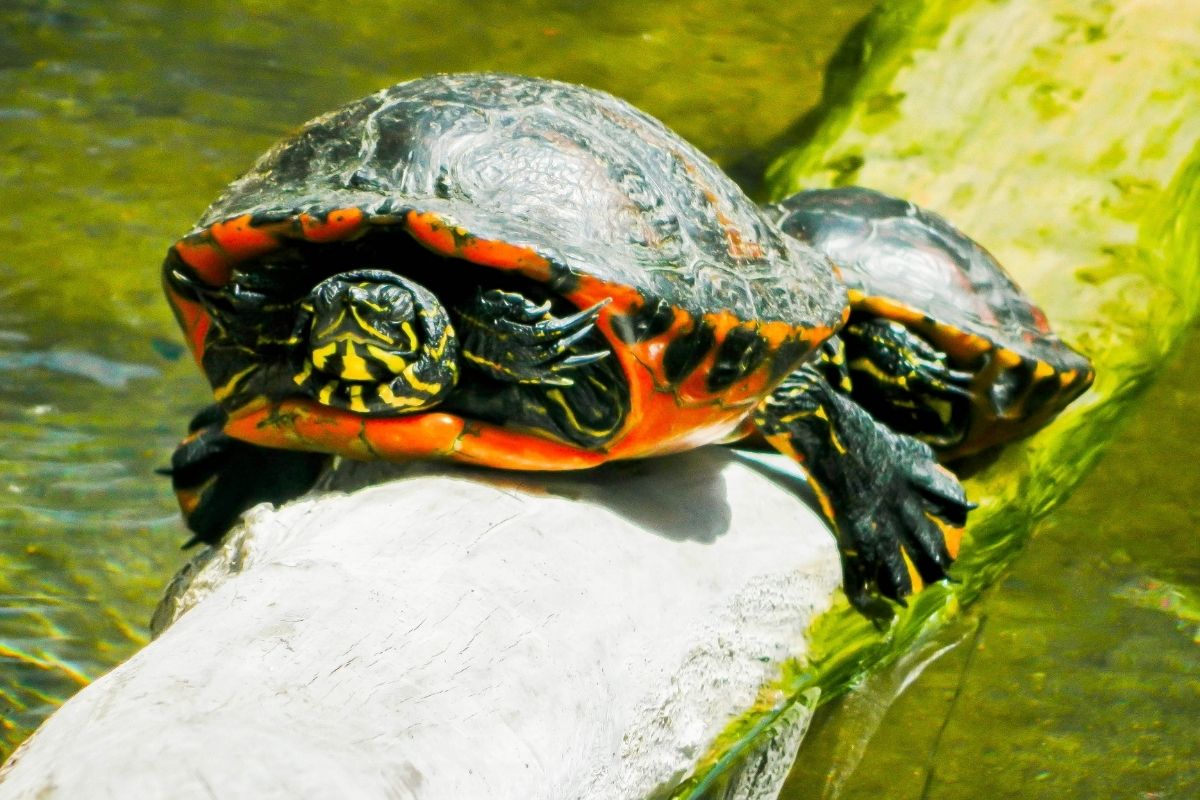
<point x="338" y="224"/>
<point x="201" y="254"/>
<point x="438" y="235"/>
<point x="213" y="252"/>
<point x="307" y="425"/>
<point x="239" y="240"/>
<point x="665" y="418"/>
<point x="193" y="319"/>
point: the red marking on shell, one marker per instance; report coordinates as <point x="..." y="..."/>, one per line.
<point x="739" y="247"/>
<point x="1039" y="319"/>
<point x="437" y="234"/>
<point x="193" y="319"/>
<point x="664" y="418"/>
<point x="240" y="240"/>
<point x="307" y="425"/>
<point x="339" y="224"/>
<point x="205" y="258"/>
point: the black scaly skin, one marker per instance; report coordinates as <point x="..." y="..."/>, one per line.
<point x="229" y="476"/>
<point x="510" y="338"/>
<point x="882" y="487"/>
<point x="905" y="382"/>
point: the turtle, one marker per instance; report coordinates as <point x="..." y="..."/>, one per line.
<point x="524" y="274"/>
<point x="941" y="344"/>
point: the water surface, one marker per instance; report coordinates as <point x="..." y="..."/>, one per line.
<point x="1078" y="675"/>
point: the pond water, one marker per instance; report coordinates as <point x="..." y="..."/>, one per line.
<point x="120" y="121"/>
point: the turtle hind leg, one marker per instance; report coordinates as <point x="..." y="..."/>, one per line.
<point x="896" y="514"/>
<point x="217" y="477"/>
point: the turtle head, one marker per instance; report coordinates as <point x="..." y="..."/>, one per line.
<point x="375" y="342"/>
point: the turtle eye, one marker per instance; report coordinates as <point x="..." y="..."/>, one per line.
<point x="365" y="313"/>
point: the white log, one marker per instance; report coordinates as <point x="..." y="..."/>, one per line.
<point x="455" y="633"/>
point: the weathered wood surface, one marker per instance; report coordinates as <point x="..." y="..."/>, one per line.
<point x="457" y="633"/>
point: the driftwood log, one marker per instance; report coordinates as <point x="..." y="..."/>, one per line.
<point x="453" y="633"/>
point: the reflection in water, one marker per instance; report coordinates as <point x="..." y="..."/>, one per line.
<point x="104" y="371"/>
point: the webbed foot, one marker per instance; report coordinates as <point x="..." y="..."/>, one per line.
<point x="897" y="514"/>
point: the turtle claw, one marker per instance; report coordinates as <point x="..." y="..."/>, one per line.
<point x="560" y="346"/>
<point x="515" y="340"/>
<point x="584" y="359"/>
<point x="581" y="320"/>
<point x="939" y="378"/>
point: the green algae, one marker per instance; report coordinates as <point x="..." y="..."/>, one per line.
<point x="1179" y="602"/>
<point x="1006" y="117"/>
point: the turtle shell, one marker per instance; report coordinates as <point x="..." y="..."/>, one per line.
<point x="562" y="185"/>
<point x="909" y="265"/>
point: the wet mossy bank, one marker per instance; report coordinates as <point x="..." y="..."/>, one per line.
<point x="1062" y="135"/>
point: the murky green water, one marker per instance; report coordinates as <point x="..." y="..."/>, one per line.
<point x="119" y="121"/>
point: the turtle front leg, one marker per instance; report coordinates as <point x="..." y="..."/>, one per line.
<point x="896" y="513"/>
<point x="515" y="340"/>
<point x="216" y="477"/>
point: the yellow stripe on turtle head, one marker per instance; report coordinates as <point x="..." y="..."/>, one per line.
<point x="354" y="366"/>
<point x="401" y="401"/>
<point x="395" y="364"/>
<point x="321" y="355"/>
<point x="356" y="399"/>
<point x="368" y="328"/>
